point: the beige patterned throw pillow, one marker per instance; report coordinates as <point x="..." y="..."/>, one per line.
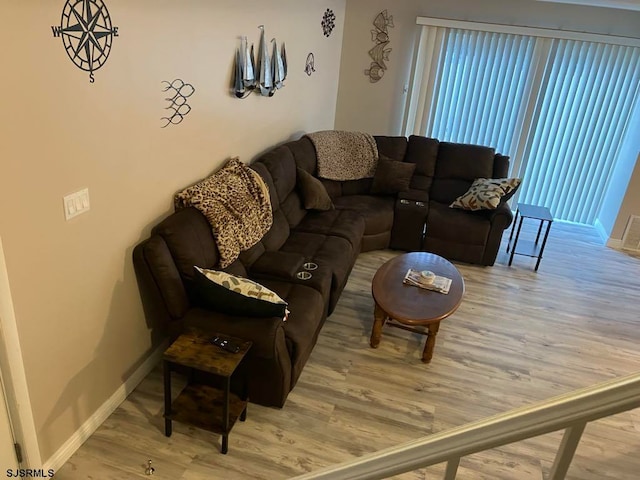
<point x="223" y="292"/>
<point x="486" y="193"/>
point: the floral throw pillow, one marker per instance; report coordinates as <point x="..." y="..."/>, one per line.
<point x="487" y="193"/>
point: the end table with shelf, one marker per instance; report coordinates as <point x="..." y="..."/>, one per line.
<point x="201" y="405"/>
<point x="526" y="247"/>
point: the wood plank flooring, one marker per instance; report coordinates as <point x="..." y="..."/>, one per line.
<point x="518" y="337"/>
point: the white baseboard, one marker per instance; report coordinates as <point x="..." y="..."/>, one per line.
<point x="601" y="230"/>
<point x="614" y="243"/>
<point x="107" y="408"/>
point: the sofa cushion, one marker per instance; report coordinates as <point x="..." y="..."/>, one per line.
<point x="393" y="147"/>
<point x="347" y="224"/>
<point x="357" y="187"/>
<point x="333" y="187"/>
<point x="262" y="170"/>
<point x="314" y="193"/>
<point x="392" y="176"/>
<point x="189" y="238"/>
<point x="464" y="161"/>
<point x="281" y="167"/>
<point x="486" y="193"/>
<point x="223" y="292"/>
<point x="284" y="265"/>
<point x="423" y="152"/>
<point x="278" y="233"/>
<point x="331" y="253"/>
<point x="457" y="167"/>
<point x="304" y="154"/>
<point x="457" y="226"/>
<point x="293" y="208"/>
<point x="377" y="211"/>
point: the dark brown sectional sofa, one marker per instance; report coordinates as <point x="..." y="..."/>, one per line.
<point x="332" y="239"/>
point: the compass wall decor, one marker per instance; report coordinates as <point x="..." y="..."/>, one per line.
<point x="87" y="34"/>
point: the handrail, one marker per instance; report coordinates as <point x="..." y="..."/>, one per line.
<point x="564" y="411"/>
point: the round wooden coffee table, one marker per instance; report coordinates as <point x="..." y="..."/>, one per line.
<point x="413" y="308"/>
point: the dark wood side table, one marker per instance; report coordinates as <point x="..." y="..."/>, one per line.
<point x="202" y="405"/>
<point x="528" y="248"/>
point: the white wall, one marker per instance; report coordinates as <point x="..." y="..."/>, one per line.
<point x="623" y="195"/>
<point x="76" y="301"/>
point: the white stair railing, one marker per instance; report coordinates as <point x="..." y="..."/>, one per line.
<point x="571" y="412"/>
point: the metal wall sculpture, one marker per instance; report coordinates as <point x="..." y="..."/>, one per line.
<point x="379" y="53"/>
<point x="264" y="74"/>
<point x="178" y="102"/>
<point x="87" y="34"/>
<point x="310" y="66"/>
<point x="328" y="22"/>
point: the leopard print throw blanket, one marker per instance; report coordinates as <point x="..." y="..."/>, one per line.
<point x="236" y="202"/>
<point x="345" y="155"/>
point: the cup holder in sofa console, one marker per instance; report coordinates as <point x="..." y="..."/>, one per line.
<point x="304" y="275"/>
<point x="310" y="266"/>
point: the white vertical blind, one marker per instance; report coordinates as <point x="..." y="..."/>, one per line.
<point x="558" y="106"/>
<point x="583" y="107"/>
<point x="479" y="96"/>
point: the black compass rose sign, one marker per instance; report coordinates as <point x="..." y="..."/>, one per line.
<point x="87" y="33"/>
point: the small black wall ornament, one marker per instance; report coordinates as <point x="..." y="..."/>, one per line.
<point x="87" y="34"/>
<point x="328" y="22"/>
<point x="310" y="66"/>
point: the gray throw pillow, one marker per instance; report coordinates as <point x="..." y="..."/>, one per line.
<point x="314" y="195"/>
<point x="392" y="176"/>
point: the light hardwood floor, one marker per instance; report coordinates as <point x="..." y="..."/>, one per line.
<point x="518" y="337"/>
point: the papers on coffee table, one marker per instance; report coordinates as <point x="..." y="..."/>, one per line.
<point x="440" y="284"/>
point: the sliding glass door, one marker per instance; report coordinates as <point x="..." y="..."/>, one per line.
<point x="558" y="106"/>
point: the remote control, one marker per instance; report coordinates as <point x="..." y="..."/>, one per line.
<point x="225" y="344"/>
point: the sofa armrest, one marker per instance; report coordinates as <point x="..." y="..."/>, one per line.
<point x="268" y="362"/>
<point x="501" y="217"/>
<point x="264" y="332"/>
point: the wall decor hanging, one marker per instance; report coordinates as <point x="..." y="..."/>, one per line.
<point x="328" y="22"/>
<point x="379" y="53"/>
<point x="178" y="102"/>
<point x="87" y="34"/>
<point x="310" y="66"/>
<point x="263" y="74"/>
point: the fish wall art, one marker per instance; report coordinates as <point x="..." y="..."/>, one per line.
<point x="380" y="52"/>
<point x="263" y="74"/>
<point x="178" y="106"/>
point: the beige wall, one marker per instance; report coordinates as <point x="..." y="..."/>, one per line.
<point x="378" y="107"/>
<point x="630" y="203"/>
<point x="76" y="301"/>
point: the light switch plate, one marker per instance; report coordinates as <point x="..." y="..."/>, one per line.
<point x="76" y="203"/>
